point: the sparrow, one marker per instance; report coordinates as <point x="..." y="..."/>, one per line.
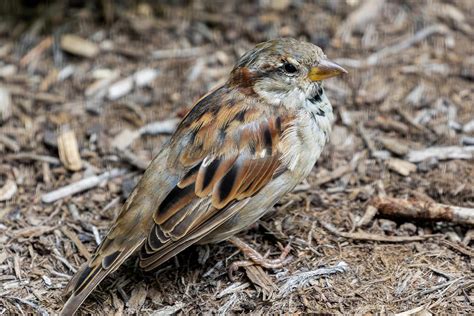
<point x="233" y="156"/>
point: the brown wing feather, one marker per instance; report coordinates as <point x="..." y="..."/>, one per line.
<point x="244" y="158"/>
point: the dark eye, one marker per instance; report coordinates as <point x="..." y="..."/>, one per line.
<point x="290" y="68"/>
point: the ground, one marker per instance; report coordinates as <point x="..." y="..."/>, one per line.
<point x="409" y="87"/>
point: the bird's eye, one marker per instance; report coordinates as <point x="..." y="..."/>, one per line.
<point x="290" y="68"/>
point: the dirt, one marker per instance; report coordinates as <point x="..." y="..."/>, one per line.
<point x="419" y="95"/>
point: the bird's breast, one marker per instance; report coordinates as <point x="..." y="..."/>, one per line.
<point x="304" y="141"/>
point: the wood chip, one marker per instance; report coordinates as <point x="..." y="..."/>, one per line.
<point x="124" y="139"/>
<point x="5" y="104"/>
<point x="369" y="214"/>
<point x="69" y="150"/>
<point x="145" y="76"/>
<point x="261" y="279"/>
<point x="9" y="143"/>
<point x="8" y="190"/>
<point x="99" y="87"/>
<point x="79" y="46"/>
<point x="80" y="246"/>
<point x="400" y="166"/>
<point x="160" y="127"/>
<point x="120" y="88"/>
<point x="468" y="127"/>
<point x="36" y="52"/>
<point x="394" y="145"/>
<point x="137" y="298"/>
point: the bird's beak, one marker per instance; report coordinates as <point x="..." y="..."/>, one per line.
<point x="324" y="70"/>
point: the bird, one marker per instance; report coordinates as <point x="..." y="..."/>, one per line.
<point x="239" y="149"/>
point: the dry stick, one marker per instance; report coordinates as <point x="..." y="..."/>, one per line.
<point x="33" y="156"/>
<point x="397" y="48"/>
<point x="9" y="143"/>
<point x="36" y="52"/>
<point x="80" y="246"/>
<point x="441" y="153"/>
<point x="38" y="96"/>
<point x="465" y="250"/>
<point x="81" y="185"/>
<point x="178" y="53"/>
<point x="423" y="210"/>
<point x="374" y="237"/>
<point x="366" y="138"/>
<point x="342" y="170"/>
<point x="133" y="159"/>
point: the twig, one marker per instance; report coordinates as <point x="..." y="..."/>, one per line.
<point x="81" y="185"/>
<point x="410" y="120"/>
<point x="133" y="159"/>
<point x="342" y="170"/>
<point x="233" y="288"/>
<point x="36" y="52"/>
<point x="178" y="53"/>
<point x="301" y="279"/>
<point x="369" y="214"/>
<point x="159" y="127"/>
<point x="374" y="237"/>
<point x="458" y="247"/>
<point x="8" y="190"/>
<point x="441" y="153"/>
<point x="367" y="140"/>
<point x="9" y="143"/>
<point x="39" y="96"/>
<point x="33" y="156"/>
<point x="423" y="210"/>
<point x="73" y="237"/>
<point x="358" y="19"/>
<point x="395" y="49"/>
<point x="401" y="46"/>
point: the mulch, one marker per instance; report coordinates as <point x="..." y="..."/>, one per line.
<point x="90" y="92"/>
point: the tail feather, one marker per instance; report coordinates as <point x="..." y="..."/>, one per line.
<point x="77" y="297"/>
<point x="88" y="277"/>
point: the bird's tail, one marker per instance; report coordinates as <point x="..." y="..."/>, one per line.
<point x="90" y="275"/>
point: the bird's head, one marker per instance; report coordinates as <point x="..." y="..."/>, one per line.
<point x="284" y="70"/>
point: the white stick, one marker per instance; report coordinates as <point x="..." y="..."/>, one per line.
<point x="81" y="185"/>
<point x="441" y="153"/>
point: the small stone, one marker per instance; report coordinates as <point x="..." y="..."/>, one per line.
<point x="387" y="226"/>
<point x="468" y="127"/>
<point x="427" y="164"/>
<point x="408" y="229"/>
<point x="127" y="186"/>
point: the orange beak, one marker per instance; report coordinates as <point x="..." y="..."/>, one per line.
<point x="324" y="70"/>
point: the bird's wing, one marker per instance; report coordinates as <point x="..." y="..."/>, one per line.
<point x="224" y="151"/>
